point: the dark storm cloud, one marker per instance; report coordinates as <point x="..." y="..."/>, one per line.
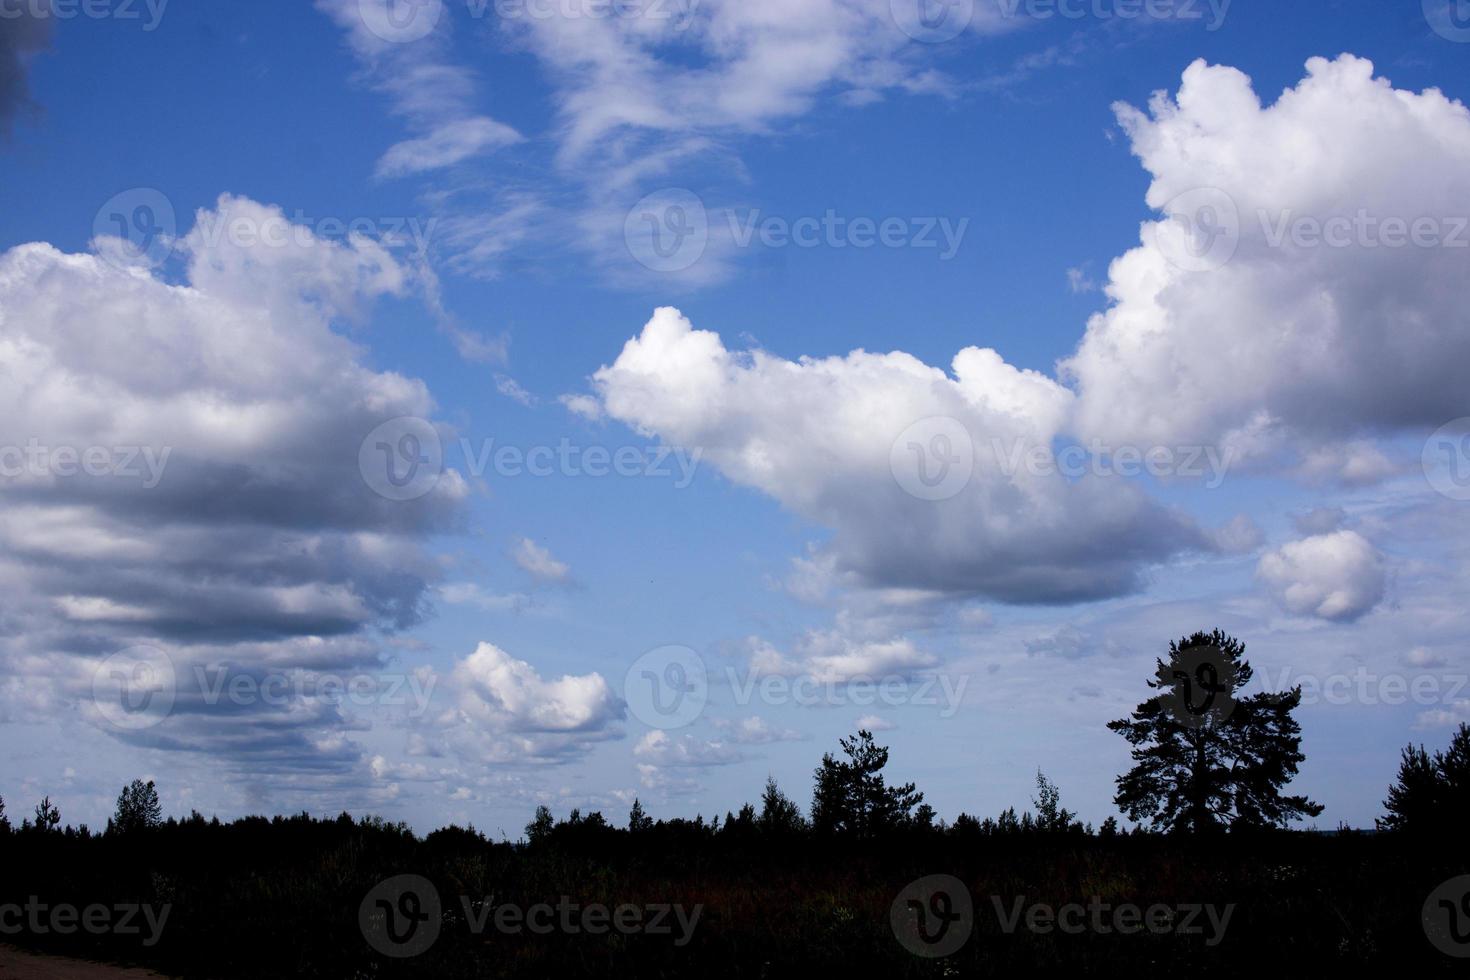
<point x="22" y="34"/>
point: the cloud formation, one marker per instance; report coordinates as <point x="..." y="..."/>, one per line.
<point x="251" y="539"/>
<point x="1308" y="281"/>
<point x="1338" y="576"/>
<point x="820" y="436"/>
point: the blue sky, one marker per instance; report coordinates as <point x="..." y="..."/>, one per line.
<point x="527" y="152"/>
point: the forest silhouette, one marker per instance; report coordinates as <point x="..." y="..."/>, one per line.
<point x="773" y="889"/>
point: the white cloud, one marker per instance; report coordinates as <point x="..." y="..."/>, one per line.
<point x="659" y="748"/>
<point x="755" y="731"/>
<point x="835" y="657"/>
<point x="874" y="723"/>
<point x="448" y="144"/>
<point x="506" y="712"/>
<point x="256" y="540"/>
<point x="823" y="437"/>
<point x="585" y="406"/>
<point x="1338" y="576"/>
<point x="537" y="561"/>
<point x="511" y="388"/>
<point x="1290" y="343"/>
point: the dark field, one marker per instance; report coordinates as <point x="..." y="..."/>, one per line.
<point x="283" y="898"/>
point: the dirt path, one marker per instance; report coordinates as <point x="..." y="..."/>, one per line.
<point x="16" y="964"/>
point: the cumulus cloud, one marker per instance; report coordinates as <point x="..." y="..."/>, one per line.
<point x="826" y="437"/>
<point x="1338" y="576"/>
<point x="506" y="712"/>
<point x="252" y="539"/>
<point x="1296" y="339"/>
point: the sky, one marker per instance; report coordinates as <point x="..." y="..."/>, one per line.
<point x="440" y="408"/>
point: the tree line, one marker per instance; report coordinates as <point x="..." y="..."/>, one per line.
<point x="1206" y="759"/>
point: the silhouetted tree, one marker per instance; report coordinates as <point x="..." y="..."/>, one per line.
<point x="1051" y="816"/>
<point x="967" y="826"/>
<point x="779" y="815"/>
<point x="4" y="820"/>
<point x="541" y="825"/>
<point x="924" y="817"/>
<point x="1431" y="792"/>
<point x="1206" y="758"/>
<point x="852" y="797"/>
<point x="1109" y="829"/>
<point x="638" y="821"/>
<point x="137" y="808"/>
<point x="48" y="816"/>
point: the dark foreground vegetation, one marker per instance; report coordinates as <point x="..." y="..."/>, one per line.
<point x="1207" y="882"/>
